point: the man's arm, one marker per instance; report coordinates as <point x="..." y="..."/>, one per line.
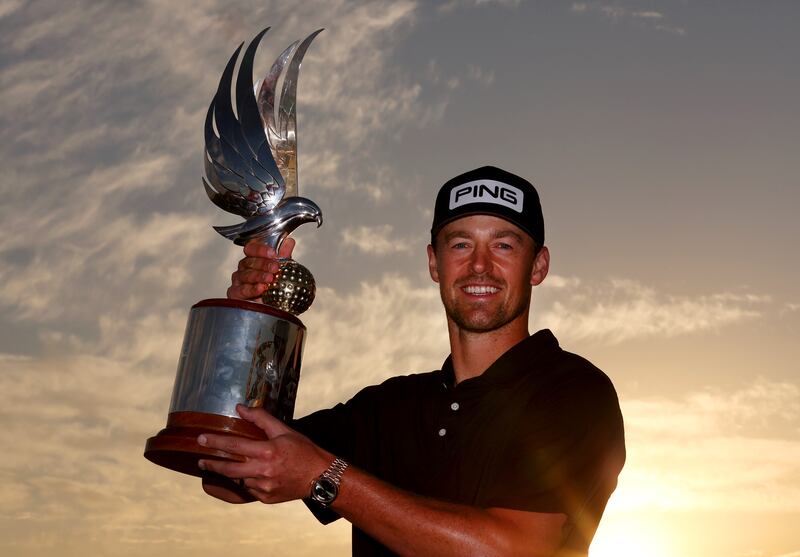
<point x="410" y="524"/>
<point x="282" y="469"/>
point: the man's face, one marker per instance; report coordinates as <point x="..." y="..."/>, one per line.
<point x="485" y="267"/>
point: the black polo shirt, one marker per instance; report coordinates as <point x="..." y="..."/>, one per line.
<point x="540" y="430"/>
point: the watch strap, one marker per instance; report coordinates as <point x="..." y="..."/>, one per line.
<point x="336" y="470"/>
<point x="325" y="496"/>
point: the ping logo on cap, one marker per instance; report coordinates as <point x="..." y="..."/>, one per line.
<point x="486" y="191"/>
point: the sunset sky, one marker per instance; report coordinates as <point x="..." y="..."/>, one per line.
<point x="664" y="139"/>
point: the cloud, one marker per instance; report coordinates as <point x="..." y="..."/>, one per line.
<point x="472" y="72"/>
<point x="790" y="307"/>
<point x="77" y="479"/>
<point x="451" y="5"/>
<point x="618" y="12"/>
<point x="9" y="6"/>
<point x="103" y="213"/>
<point x="648" y="15"/>
<point x="480" y="74"/>
<point x="145" y="88"/>
<point x="579" y="7"/>
<point x="385" y="328"/>
<point x="618" y="310"/>
<point x="681" y="31"/>
<point x="116" y="271"/>
<point x="559" y="281"/>
<point x="375" y="240"/>
<point x="614" y="12"/>
<point x="734" y="451"/>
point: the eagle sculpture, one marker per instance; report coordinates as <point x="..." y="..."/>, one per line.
<point x="251" y="153"/>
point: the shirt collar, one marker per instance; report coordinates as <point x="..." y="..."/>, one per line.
<point x="518" y="360"/>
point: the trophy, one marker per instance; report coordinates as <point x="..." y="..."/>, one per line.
<point x="238" y="352"/>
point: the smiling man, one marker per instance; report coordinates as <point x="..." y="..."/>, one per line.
<point x="512" y="448"/>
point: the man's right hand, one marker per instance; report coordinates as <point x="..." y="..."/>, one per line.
<point x="257" y="269"/>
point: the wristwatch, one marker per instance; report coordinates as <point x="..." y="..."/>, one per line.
<point x="325" y="488"/>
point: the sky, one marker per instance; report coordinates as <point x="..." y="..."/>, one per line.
<point x="662" y="137"/>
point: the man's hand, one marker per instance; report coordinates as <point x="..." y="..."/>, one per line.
<point x="279" y="469"/>
<point x="257" y="269"/>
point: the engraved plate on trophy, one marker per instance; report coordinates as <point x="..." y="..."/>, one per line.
<point x="239" y="352"/>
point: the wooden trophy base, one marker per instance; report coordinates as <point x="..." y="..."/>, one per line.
<point x="175" y="447"/>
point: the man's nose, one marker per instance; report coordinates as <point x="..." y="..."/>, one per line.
<point x="481" y="261"/>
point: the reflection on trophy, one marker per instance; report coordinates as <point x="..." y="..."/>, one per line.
<point x="237" y="352"/>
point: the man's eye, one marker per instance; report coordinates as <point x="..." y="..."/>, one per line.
<point x="504" y="246"/>
<point x="460" y="245"/>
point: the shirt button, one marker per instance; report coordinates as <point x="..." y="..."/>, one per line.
<point x="442" y="432"/>
<point x="454" y="406"/>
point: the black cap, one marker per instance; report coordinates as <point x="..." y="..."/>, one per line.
<point x="490" y="191"/>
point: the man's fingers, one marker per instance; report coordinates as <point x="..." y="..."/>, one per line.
<point x="233" y="444"/>
<point x="257" y="248"/>
<point x="259" y="263"/>
<point x="271" y="425"/>
<point x="228" y="490"/>
<point x="252" y="277"/>
<point x="246" y="291"/>
<point x="230" y="469"/>
<point x="287" y="247"/>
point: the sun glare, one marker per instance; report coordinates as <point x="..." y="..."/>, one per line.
<point x="625" y="538"/>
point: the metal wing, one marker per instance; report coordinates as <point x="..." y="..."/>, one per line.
<point x="241" y="172"/>
<point x="280" y="126"/>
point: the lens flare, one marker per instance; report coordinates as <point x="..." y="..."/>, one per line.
<point x="627" y="538"/>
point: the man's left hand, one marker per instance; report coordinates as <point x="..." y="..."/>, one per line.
<point x="279" y="469"/>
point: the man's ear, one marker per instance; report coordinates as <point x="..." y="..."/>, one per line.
<point x="432" y="269"/>
<point x="541" y="265"/>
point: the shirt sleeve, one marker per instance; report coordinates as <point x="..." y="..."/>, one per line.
<point x="327" y="429"/>
<point x="338" y="430"/>
<point x="566" y="454"/>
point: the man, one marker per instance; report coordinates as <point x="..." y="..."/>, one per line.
<point x="512" y="448"/>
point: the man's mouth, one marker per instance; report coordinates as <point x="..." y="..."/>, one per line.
<point x="480" y="290"/>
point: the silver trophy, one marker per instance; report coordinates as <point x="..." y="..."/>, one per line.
<point x="237" y="352"/>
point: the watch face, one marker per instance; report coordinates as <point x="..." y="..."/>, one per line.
<point x="324" y="490"/>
